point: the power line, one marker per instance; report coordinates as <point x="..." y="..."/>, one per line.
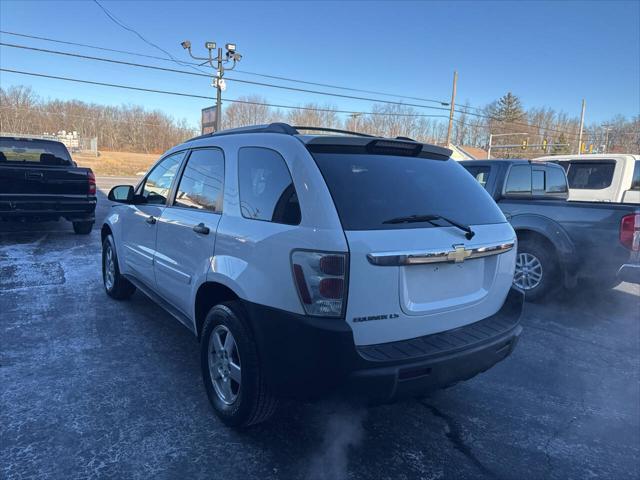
<point x="489" y="117"/>
<point x="129" y="29"/>
<point x="181" y="94"/>
<point x="97" y="118"/>
<point x="463" y="109"/>
<point x="263" y="84"/>
<point x="172" y="70"/>
<point x="291" y="107"/>
<point x="245" y="72"/>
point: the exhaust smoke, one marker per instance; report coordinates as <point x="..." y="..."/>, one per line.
<point x="343" y="431"/>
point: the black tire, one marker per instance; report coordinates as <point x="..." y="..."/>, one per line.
<point x="82" y="228"/>
<point x="254" y="403"/>
<point x="550" y="274"/>
<point x="119" y="287"/>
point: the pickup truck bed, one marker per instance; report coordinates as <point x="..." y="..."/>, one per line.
<point x="40" y="182"/>
<point x="578" y="240"/>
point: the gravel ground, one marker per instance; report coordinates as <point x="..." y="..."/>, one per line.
<point x="90" y="387"/>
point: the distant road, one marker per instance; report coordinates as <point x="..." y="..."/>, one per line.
<point x="107" y="183"/>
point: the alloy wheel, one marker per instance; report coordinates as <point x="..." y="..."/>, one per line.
<point x="224" y="364"/>
<point x="528" y="274"/>
<point x="109" y="268"/>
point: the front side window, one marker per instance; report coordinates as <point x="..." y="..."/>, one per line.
<point x="157" y="185"/>
<point x="556" y="180"/>
<point x="201" y="184"/>
<point x="635" y="182"/>
<point x="266" y="188"/>
<point x="519" y="180"/>
<point x="590" y="175"/>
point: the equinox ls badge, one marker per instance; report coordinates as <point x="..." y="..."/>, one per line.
<point x="458" y="254"/>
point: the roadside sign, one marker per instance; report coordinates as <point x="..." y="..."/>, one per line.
<point x="208" y="120"/>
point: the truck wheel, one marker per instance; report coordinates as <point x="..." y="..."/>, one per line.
<point x="537" y="272"/>
<point x="82" y="228"/>
<point x="232" y="374"/>
<point x="115" y="284"/>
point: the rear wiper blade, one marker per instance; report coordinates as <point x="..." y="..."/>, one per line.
<point x="469" y="234"/>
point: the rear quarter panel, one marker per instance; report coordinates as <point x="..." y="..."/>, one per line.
<point x="253" y="257"/>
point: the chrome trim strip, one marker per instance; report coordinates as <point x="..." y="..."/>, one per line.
<point x="456" y="255"/>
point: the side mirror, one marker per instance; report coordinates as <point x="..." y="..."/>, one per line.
<point x="121" y="194"/>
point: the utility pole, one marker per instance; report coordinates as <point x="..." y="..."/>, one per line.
<point x="218" y="84"/>
<point x="581" y="127"/>
<point x="453" y="104"/>
<point x="489" y="149"/>
<point x="606" y="137"/>
<point x="218" y="81"/>
<point x="354" y="121"/>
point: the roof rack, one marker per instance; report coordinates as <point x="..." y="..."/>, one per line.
<point x="286" y="129"/>
<point x="334" y="130"/>
<point x="277" y="127"/>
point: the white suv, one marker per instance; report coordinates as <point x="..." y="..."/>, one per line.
<point x="308" y="264"/>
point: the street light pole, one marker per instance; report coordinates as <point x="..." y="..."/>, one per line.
<point x="489" y="149"/>
<point x="581" y="127"/>
<point x="218" y="84"/>
<point x="218" y="81"/>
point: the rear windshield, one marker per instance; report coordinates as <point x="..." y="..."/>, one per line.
<point x="371" y="189"/>
<point x="590" y="175"/>
<point x="33" y="151"/>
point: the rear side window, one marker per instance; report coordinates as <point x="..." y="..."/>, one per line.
<point x="28" y="151"/>
<point x="590" y="175"/>
<point x="480" y="173"/>
<point x="519" y="180"/>
<point x="556" y="180"/>
<point x="635" y="182"/>
<point x="369" y="190"/>
<point x="157" y="185"/>
<point x="201" y="184"/>
<point x="266" y="188"/>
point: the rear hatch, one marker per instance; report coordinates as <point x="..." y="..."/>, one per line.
<point x="412" y="272"/>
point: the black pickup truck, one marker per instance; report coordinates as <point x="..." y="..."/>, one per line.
<point x="559" y="242"/>
<point x="40" y="182"/>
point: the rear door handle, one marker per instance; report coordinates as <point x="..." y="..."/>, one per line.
<point x="151" y="220"/>
<point x="34" y="175"/>
<point x="201" y="228"/>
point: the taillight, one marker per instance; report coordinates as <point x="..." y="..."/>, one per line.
<point x="92" y="183"/>
<point x="321" y="282"/>
<point x="630" y="231"/>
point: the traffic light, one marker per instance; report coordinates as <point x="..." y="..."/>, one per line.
<point x="524" y="144"/>
<point x="544" y="144"/>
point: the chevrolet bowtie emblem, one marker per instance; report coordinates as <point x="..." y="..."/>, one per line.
<point x="458" y="254"/>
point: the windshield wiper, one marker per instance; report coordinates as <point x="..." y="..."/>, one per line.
<point x="469" y="234"/>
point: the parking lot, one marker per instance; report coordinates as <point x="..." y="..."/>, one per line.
<point x="94" y="387"/>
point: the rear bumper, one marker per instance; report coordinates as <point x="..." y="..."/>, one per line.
<point x="306" y="357"/>
<point x="629" y="272"/>
<point x="52" y="208"/>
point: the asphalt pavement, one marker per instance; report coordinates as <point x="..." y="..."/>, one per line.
<point x="91" y="387"/>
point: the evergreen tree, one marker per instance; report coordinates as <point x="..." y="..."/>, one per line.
<point x="561" y="149"/>
<point x="508" y="108"/>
